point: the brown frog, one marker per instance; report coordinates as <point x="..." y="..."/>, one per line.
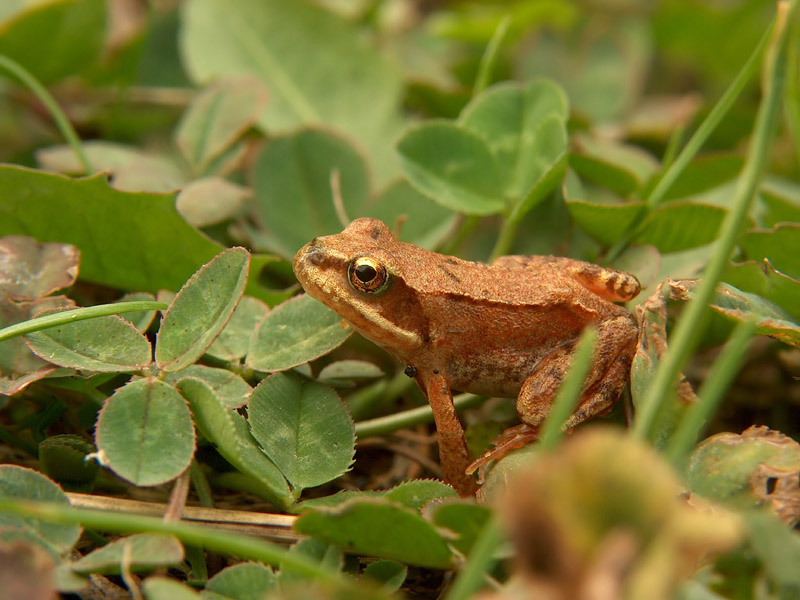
<point x="505" y="329"/>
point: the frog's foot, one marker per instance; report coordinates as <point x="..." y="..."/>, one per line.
<point x="508" y="441"/>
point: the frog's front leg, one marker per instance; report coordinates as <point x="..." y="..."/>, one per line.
<point x="453" y="453"/>
<point x="608" y="374"/>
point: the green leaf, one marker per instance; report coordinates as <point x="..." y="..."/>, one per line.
<point x="778" y="549"/>
<point x="233" y="341"/>
<point x="299" y="167"/>
<point x="217" y="118"/>
<point x="388" y="572"/>
<point x="381" y="528"/>
<point x="229" y="388"/>
<point x="705" y="173"/>
<point x="465" y="519"/>
<point x="211" y="200"/>
<point x="323" y="554"/>
<point x="604" y="222"/>
<point x="140" y="552"/>
<point x="680" y="226"/>
<point x="201" y="309"/>
<point x="416" y="494"/>
<point x="770" y="318"/>
<point x="140" y="320"/>
<point x="769" y="283"/>
<point x="63" y="458"/>
<point x="105" y="344"/>
<point x="287" y="45"/>
<point x="132" y="241"/>
<point x="781" y="199"/>
<point x="343" y="372"/>
<point x="524" y="127"/>
<point x="68" y="34"/>
<point x="163" y="588"/>
<point x="134" y="427"/>
<point x="228" y="431"/>
<point x="304" y="428"/>
<point x="621" y="168"/>
<point x="781" y="246"/>
<point x="26" y="484"/>
<point x="453" y="166"/>
<point x="244" y="581"/>
<point x="418" y="219"/>
<point x="295" y="332"/>
<point x="30" y="269"/>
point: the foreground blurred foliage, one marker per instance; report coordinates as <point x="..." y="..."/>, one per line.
<point x="470" y="127"/>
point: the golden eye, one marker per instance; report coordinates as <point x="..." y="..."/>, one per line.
<point x="367" y="275"/>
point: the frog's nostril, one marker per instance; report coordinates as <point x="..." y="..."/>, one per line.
<point x="315" y="256"/>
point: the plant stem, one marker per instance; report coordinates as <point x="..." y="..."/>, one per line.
<point x="77" y="314"/>
<point x="489" y="57"/>
<point x="685" y="336"/>
<point x="693" y="146"/>
<point x="62" y="122"/>
<point x="507" y="232"/>
<point x="567" y="397"/>
<point x="409" y="418"/>
<point x="237" y="544"/>
<point x="471" y="576"/>
<point x="710" y="394"/>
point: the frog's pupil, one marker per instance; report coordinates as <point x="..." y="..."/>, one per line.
<point x="366" y="273"/>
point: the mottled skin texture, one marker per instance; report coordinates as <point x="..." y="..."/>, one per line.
<point x="505" y="329"/>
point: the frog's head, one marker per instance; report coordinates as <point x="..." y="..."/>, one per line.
<point x="354" y="273"/>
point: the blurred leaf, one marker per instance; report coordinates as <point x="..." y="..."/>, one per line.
<point x="211" y="200"/>
<point x="680" y="226"/>
<point x="621" y="168"/>
<point x="604" y="222"/>
<point x="299" y="167"/>
<point x="295" y="332"/>
<point x="105" y="344"/>
<point x="343" y="372"/>
<point x="452" y="166"/>
<point x="413" y="217"/>
<point x="133" y="241"/>
<point x="416" y="494"/>
<point x="68" y="34"/>
<point x="229" y="433"/>
<point x="287" y="45"/>
<point x="233" y="341"/>
<point x="229" y="388"/>
<point x="217" y="118"/>
<point x="778" y="549"/>
<point x="30" y="269"/>
<point x="140" y="320"/>
<point x="381" y="528"/>
<point x="63" y="458"/>
<point x="388" y="572"/>
<point x="705" y="173"/>
<point x="602" y="62"/>
<point x="201" y="309"/>
<point x="134" y="427"/>
<point x="323" y="554"/>
<point x="780" y="245"/>
<point x="26" y="484"/>
<point x="140" y="552"/>
<point x="464" y="519"/>
<point x="26" y="570"/>
<point x="758" y="468"/>
<point x="782" y="201"/>
<point x="304" y="428"/>
<point x="243" y="581"/>
<point x="19" y="366"/>
<point x="160" y="587"/>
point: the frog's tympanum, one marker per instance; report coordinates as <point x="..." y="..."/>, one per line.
<point x="505" y="329"/>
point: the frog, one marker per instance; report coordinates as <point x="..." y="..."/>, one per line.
<point x="503" y="329"/>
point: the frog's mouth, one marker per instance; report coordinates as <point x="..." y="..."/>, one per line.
<point x="322" y="271"/>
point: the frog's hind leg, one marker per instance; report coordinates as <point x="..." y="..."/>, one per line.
<point x="608" y="375"/>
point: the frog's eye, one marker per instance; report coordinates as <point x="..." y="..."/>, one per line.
<point x="367" y="275"/>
